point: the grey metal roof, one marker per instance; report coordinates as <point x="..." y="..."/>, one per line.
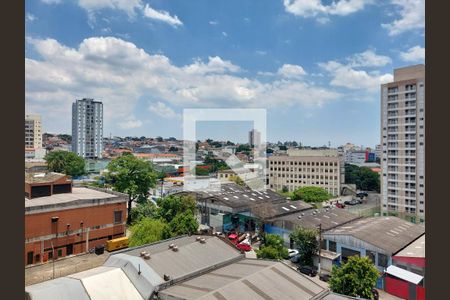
<point x="240" y="198"/>
<point x="311" y="218"/>
<point x="415" y="249"/>
<point x="191" y="257"/>
<point x="246" y="279"/>
<point x="63" y="288"/>
<point x="388" y="233"/>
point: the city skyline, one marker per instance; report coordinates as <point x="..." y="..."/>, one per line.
<point x="273" y="55"/>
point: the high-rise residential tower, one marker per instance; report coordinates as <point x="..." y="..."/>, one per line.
<point x="403" y="144"/>
<point x="254" y="137"/>
<point x="87" y="128"/>
<point x="33" y="131"/>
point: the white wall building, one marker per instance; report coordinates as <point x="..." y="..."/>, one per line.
<point x="403" y="143"/>
<point x="33" y="131"/>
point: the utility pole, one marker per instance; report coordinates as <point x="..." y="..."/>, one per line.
<point x="320" y="244"/>
<point x="53" y="259"/>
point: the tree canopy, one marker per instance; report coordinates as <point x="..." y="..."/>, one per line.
<point x="65" y="162"/>
<point x="169" y="207"/>
<point x="357" y="277"/>
<point x="147" y="231"/>
<point x="306" y="243"/>
<point x="132" y="176"/>
<point x="272" y="248"/>
<point x="364" y="178"/>
<point x="311" y="194"/>
<point x="143" y="210"/>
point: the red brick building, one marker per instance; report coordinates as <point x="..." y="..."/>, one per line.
<point x="63" y="220"/>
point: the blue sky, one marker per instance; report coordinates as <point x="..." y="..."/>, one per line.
<point x="316" y="66"/>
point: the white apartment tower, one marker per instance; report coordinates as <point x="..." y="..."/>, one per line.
<point x="87" y="128"/>
<point x="403" y="144"/>
<point x="33" y="131"/>
<point x="254" y="138"/>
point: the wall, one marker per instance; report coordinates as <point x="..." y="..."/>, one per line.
<point x="396" y="287"/>
<point x="97" y="227"/>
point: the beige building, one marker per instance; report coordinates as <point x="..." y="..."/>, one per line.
<point x="299" y="168"/>
<point x="403" y="144"/>
<point x="33" y="131"/>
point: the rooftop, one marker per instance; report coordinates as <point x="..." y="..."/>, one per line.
<point x="388" y="233"/>
<point x="246" y="279"/>
<point x="311" y="218"/>
<point x="415" y="249"/>
<point x="49" y="177"/>
<point x="80" y="197"/>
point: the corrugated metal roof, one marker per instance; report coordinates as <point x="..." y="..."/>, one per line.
<point x="388" y="233"/>
<point x="246" y="279"/>
<point x="404" y="274"/>
<point x="43" y="177"/>
<point x="64" y="288"/>
<point x="416" y="249"/>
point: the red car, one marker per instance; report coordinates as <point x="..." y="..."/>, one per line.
<point x="245" y="247"/>
<point x="340" y="205"/>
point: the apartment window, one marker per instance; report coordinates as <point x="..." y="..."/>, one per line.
<point x="382" y="260"/>
<point x="371" y="255"/>
<point x="117" y="217"/>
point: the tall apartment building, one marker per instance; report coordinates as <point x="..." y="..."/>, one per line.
<point x="403" y="144"/>
<point x="321" y="168"/>
<point x="254" y="137"/>
<point x="87" y="128"/>
<point x="33" y="131"/>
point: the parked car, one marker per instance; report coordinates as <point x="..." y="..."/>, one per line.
<point x="340" y="205"/>
<point x="307" y="270"/>
<point x="292" y="252"/>
<point x="362" y="194"/>
<point x="352" y="202"/>
<point x="325" y="277"/>
<point x="295" y="259"/>
<point x="244" y="246"/>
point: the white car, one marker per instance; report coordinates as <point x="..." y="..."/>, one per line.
<point x="292" y="252"/>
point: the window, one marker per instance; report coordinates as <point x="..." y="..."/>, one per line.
<point x="117" y="217"/>
<point x="382" y="260"/>
<point x="332" y="246"/>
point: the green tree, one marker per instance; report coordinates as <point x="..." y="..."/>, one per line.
<point x="143" y="210"/>
<point x="243" y="148"/>
<point x="132" y="176"/>
<point x="306" y="243"/>
<point x="364" y="178"/>
<point x="183" y="223"/>
<point x="238" y="180"/>
<point x="272" y="247"/>
<point x="169" y="207"/>
<point x="311" y="194"/>
<point x="65" y="162"/>
<point x="202" y="171"/>
<point x="147" y="231"/>
<point x="356" y="278"/>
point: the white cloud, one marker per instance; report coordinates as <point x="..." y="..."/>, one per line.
<point x="30" y="17"/>
<point x="213" y="23"/>
<point x="261" y="52"/>
<point x="119" y="73"/>
<point x="412" y="17"/>
<point x="161" y="15"/>
<point x="414" y="54"/>
<point x="51" y="1"/>
<point x="348" y="77"/>
<point x="162" y="110"/>
<point x="215" y="65"/>
<point x="369" y="58"/>
<point x="291" y="71"/>
<point x="131" y="123"/>
<point x="313" y="8"/>
<point x="224" y="34"/>
<point x="127" y="6"/>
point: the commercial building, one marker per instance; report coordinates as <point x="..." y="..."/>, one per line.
<point x="327" y="218"/>
<point x="355" y="157"/>
<point x="239" y="208"/>
<point x="187" y="267"/>
<point x="321" y="168"/>
<point x="403" y="144"/>
<point x="378" y="238"/>
<point x="87" y="128"/>
<point x="33" y="131"/>
<point x="406" y="277"/>
<point x="62" y="220"/>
